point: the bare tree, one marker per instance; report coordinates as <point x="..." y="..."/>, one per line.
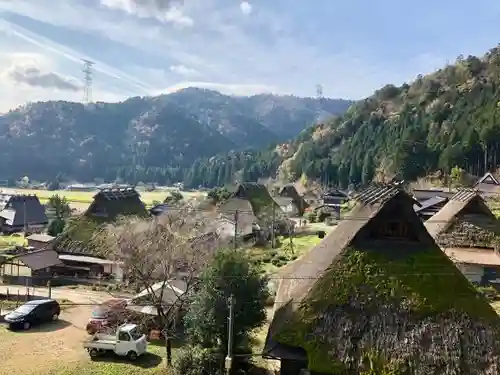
<point x="157" y="254"/>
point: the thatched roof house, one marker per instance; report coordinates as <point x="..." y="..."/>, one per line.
<point x="20" y="211"/>
<point x="81" y="234"/>
<point x="378" y="292"/>
<point x="488" y="185"/>
<point x="468" y="232"/>
<point x="296" y="193"/>
<point x="254" y="205"/>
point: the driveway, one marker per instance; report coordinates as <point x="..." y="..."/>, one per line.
<point x="44" y="348"/>
<point x="78" y="296"/>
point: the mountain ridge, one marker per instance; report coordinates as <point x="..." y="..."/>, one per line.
<point x="150" y="138"/>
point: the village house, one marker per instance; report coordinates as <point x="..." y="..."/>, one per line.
<point x="109" y="204"/>
<point x="295" y="204"/>
<point x="39" y="240"/>
<point x="95" y="267"/>
<point x="354" y="277"/>
<point x="30" y="268"/>
<point x="19" y="213"/>
<point x="288" y="206"/>
<point x="429" y="207"/>
<point x="469" y="233"/>
<point x="422" y="195"/>
<point x="331" y="202"/>
<point x="488" y="185"/>
<point x="254" y="210"/>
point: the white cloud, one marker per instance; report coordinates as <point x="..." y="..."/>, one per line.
<point x="57" y="49"/>
<point x="31" y="77"/>
<point x="246" y="7"/>
<point x="163" y="10"/>
<point x="183" y="70"/>
<point x="220" y="51"/>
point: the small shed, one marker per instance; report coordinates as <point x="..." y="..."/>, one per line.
<point x="98" y="267"/>
<point x="39" y="241"/>
<point x="30" y="268"/>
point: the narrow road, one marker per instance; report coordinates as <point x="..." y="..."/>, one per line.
<point x="82" y="296"/>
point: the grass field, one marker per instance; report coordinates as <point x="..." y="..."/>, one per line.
<point x="152" y="363"/>
<point x="7" y="242"/>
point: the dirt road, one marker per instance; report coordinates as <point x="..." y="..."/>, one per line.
<point x="82" y="296"/>
<point x="43" y="348"/>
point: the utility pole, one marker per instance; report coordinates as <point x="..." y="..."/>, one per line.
<point x="235" y="230"/>
<point x="25" y="219"/>
<point x="229" y="357"/>
<point x="273" y="240"/>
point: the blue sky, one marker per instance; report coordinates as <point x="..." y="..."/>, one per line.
<point x="147" y="47"/>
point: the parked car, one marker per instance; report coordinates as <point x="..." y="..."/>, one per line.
<point x="127" y="341"/>
<point x="33" y="313"/>
<point x="107" y="315"/>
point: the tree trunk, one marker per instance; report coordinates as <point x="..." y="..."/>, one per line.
<point x="168" y="347"/>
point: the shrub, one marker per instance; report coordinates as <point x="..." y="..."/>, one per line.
<point x="311" y="217"/>
<point x="193" y="360"/>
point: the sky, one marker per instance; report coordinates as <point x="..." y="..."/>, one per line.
<point x="149" y="47"/>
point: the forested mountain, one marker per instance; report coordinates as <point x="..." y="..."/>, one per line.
<point x="150" y="138"/>
<point x="445" y="119"/>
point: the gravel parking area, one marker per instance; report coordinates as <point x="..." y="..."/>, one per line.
<point x="42" y="348"/>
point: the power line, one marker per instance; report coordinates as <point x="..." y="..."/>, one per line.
<point x="87" y="80"/>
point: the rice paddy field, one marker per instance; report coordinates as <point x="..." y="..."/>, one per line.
<point x="81" y="199"/>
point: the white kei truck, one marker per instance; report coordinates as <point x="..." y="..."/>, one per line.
<point x="128" y="342"/>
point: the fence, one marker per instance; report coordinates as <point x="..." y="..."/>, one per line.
<point x="10" y="300"/>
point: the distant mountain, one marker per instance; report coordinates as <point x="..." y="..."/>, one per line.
<point x="148" y="138"/>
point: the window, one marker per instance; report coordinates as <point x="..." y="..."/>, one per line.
<point x="123" y="336"/>
<point x="136" y="335"/>
<point x="393" y="230"/>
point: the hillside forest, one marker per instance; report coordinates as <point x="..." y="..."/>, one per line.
<point x="150" y="139"/>
<point x="445" y="119"/>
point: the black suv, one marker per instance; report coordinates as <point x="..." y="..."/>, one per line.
<point x="33" y="312"/>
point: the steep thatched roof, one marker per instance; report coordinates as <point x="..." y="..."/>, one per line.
<point x="246" y="218"/>
<point x="465" y="222"/>
<point x="111" y="203"/>
<point x="14" y="207"/>
<point x="378" y="289"/>
<point x="82" y="234"/>
<point x="257" y="194"/>
<point x="291" y="191"/>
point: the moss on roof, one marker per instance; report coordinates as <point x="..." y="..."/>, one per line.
<point x="372" y="295"/>
<point x="422" y="288"/>
<point x="259" y="197"/>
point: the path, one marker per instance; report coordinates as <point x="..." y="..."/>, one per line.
<point x="82" y="296"/>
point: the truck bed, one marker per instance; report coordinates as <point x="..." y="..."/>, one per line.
<point x="100" y="344"/>
<point x="101" y="341"/>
